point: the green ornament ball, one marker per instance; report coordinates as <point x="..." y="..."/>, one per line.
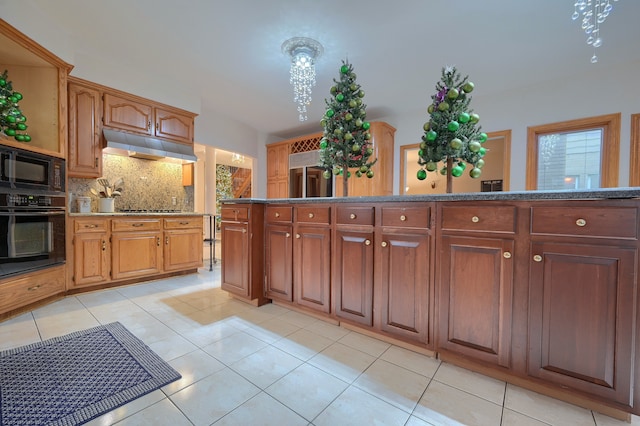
<point x="455" y="143"/>
<point x="27" y="138"/>
<point x="370" y="174"/>
<point x="432" y="166"/>
<point x="337" y="132"/>
<point x="358" y="173"/>
<point x="443" y="106"/>
<point x="348" y="174"/>
<point x="326" y="174"/>
<point x="344" y="69"/>
<point x="453" y="126"/>
<point x="359" y="122"/>
<point x="475" y="118"/>
<point x="420" y="153"/>
<point x="464" y="117"/>
<point x="19" y="138"/>
<point x="348" y="136"/>
<point x="323" y="145"/>
<point x="430" y="109"/>
<point x="474" y="146"/>
<point x="482" y="151"/>
<point x="3" y="101"/>
<point x="353" y="103"/>
<point x="330" y="113"/>
<point x="348" y="116"/>
<point x="361" y="93"/>
<point x="367" y="136"/>
<point x="483" y="137"/>
<point x="323" y="122"/>
<point x="468" y="87"/>
<point x="17" y="95"/>
<point x="443" y="171"/>
<point x="21" y="118"/>
<point x="366" y="125"/>
<point x="421" y="175"/>
<point x="475" y="173"/>
<point x="10" y="132"/>
<point x="12" y="99"/>
<point x="462" y="164"/>
<point x="333" y="90"/>
<point x="337" y="170"/>
<point x="11" y="119"/>
<point x="3" y="82"/>
<point x="353" y="87"/>
<point x="21" y="126"/>
<point x="457" y="171"/>
<point x="431" y="135"/>
<point x="369" y="152"/>
<point x="453" y="93"/>
<point x="423" y="145"/>
<point x="340" y="97"/>
<point x="426" y="126"/>
<point x="364" y="168"/>
<point x="355" y="147"/>
<point x="480" y="163"/>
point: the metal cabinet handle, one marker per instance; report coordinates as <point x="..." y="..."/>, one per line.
<point x="537" y="258"/>
<point x="184" y="223"/>
<point x="581" y="222"/>
<point x="506" y="255"/>
<point x="34" y="288"/>
<point x="277" y="214"/>
<point x="384" y="244"/>
<point x="367" y="242"/>
<point x="310" y="215"/>
<point x="90" y="225"/>
<point x="352" y="216"/>
<point x="166" y="241"/>
<point x="96" y="162"/>
<point x="104" y="245"/>
<point x="403" y="218"/>
<point x="287" y="235"/>
<point x="475" y="219"/>
<point x="149" y="125"/>
<point x="157" y="125"/>
<point x="137" y="225"/>
<point x="297" y="235"/>
<point x="158" y="241"/>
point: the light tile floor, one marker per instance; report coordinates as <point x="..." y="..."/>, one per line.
<point x="243" y="365"/>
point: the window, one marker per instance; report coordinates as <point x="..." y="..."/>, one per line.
<point x="576" y="154"/>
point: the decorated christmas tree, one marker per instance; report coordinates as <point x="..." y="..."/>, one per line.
<point x="452" y="134"/>
<point x="12" y="121"/>
<point x="346" y="141"/>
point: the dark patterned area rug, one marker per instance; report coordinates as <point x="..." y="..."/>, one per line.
<point x="72" y="379"/>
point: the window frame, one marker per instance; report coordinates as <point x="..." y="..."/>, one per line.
<point x="609" y="156"/>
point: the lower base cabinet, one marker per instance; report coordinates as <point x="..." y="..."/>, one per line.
<point x="312" y="267"/>
<point x="135" y="254"/>
<point x="235" y="243"/>
<point x="16" y="293"/>
<point x="279" y="262"/>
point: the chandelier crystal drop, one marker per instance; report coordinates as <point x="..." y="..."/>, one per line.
<point x="594" y="13"/>
<point x="303" y="53"/>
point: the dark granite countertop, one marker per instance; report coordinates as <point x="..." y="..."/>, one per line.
<point x="595" y="194"/>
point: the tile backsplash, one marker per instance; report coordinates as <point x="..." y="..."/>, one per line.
<point x="147" y="185"/>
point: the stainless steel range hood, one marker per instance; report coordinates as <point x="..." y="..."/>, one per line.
<point x="148" y="147"/>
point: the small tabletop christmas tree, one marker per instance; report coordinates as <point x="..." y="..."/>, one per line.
<point x="452" y="134"/>
<point x="346" y="141"/>
<point x="12" y="121"/>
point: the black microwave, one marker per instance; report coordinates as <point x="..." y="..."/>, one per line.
<point x="25" y="170"/>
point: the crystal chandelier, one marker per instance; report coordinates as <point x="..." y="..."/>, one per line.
<point x="303" y="53"/>
<point x="594" y="13"/>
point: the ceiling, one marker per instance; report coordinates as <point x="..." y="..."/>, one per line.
<point x="228" y="52"/>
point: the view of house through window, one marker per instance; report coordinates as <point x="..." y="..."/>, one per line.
<point x="569" y="160"/>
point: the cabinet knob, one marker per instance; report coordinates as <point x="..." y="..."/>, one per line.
<point x="277" y="214"/>
<point x="383" y="244"/>
<point x="537" y="258"/>
<point x="158" y="241"/>
<point x="367" y="242"/>
<point x="287" y="235"/>
<point x="506" y="255"/>
<point x="149" y="125"/>
<point x="403" y="218"/>
<point x="104" y="245"/>
<point x="244" y="231"/>
<point x="166" y="241"/>
<point x="581" y="222"/>
<point x="96" y="162"/>
<point x="475" y="219"/>
<point x="352" y="216"/>
<point x="310" y="215"/>
<point x="297" y="235"/>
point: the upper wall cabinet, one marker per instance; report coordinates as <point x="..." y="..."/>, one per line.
<point x="140" y="116"/>
<point x="41" y="77"/>
<point x="85" y="146"/>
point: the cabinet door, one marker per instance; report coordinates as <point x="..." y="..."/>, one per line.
<point x="353" y="276"/>
<point x="236" y="257"/>
<point x="476" y="287"/>
<point x="311" y="259"/>
<point x="125" y="114"/>
<point x="581" y="330"/>
<point x="174" y="126"/>
<point x="278" y="171"/>
<point x="85" y="153"/>
<point x="90" y="259"/>
<point x="405" y="285"/>
<point x="279" y="262"/>
<point x="134" y="254"/>
<point x="182" y="249"/>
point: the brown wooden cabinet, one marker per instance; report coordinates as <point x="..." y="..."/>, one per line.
<point x="279" y="253"/>
<point x="173" y="125"/>
<point x="136" y="248"/>
<point x="312" y="257"/>
<point x="91" y="252"/>
<point x="182" y="243"/>
<point x="30" y="288"/>
<point x="583" y="298"/>
<point x="85" y="140"/>
<point x="476" y="280"/>
<point x="404" y="272"/>
<point x="278" y="170"/>
<point x="242" y="234"/>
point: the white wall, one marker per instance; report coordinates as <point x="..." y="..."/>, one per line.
<point x="602" y="89"/>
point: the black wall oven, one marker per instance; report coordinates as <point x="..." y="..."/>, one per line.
<point x="32" y="211"/>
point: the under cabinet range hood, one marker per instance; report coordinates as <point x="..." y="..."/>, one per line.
<point x="147" y="147"/>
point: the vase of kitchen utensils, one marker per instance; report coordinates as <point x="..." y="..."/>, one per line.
<point x="106" y="205"/>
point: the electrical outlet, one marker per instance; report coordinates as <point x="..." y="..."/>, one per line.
<point x="174" y="200"/>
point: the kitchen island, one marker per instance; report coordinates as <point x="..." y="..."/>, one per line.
<point x="538" y="288"/>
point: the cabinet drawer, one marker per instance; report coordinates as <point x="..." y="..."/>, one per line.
<point x="406" y="217"/>
<point x="479" y="218"/>
<point x="182" y="222"/>
<point x="235" y="213"/>
<point x="607" y="222"/>
<point x="135" y="225"/>
<point x="351" y="215"/>
<point x="313" y="214"/>
<point x="31" y="288"/>
<point x="276" y="214"/>
<point x="90" y="225"/>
